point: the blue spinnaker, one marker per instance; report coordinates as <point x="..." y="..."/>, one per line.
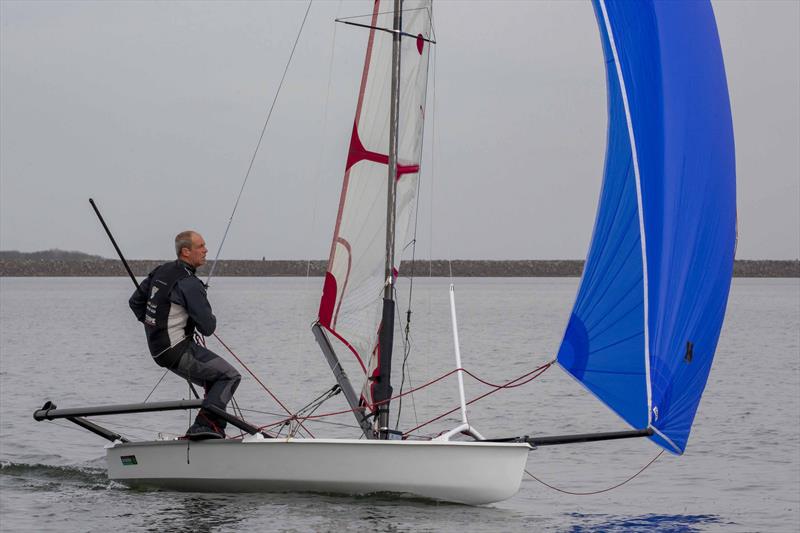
<point x="650" y="307"/>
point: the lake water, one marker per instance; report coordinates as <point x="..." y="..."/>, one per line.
<point x="74" y="341"/>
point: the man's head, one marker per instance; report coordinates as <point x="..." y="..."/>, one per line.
<point x="191" y="248"/>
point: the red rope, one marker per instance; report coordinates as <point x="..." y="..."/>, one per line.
<point x="292" y="416"/>
<point x="533" y="374"/>
<point x="596" y="491"/>
<point x="511" y="384"/>
<point x="334" y="413"/>
<point x="507" y="385"/>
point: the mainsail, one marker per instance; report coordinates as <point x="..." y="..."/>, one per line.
<point x="351" y="303"/>
<point x="649" y="310"/>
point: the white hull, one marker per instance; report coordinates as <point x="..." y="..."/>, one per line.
<point x="465" y="472"/>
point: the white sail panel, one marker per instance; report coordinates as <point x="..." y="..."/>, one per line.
<point x="351" y="302"/>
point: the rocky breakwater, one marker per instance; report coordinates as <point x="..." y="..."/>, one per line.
<point x="141" y="267"/>
<point x="38" y="267"/>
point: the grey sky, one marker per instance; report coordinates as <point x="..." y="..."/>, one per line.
<point x="154" y="108"/>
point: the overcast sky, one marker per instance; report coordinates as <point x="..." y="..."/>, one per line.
<point x="154" y="109"/>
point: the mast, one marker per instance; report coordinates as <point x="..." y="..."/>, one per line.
<point x="386" y="337"/>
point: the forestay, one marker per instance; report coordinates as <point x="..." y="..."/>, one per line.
<point x="648" y="314"/>
<point x="351" y="303"/>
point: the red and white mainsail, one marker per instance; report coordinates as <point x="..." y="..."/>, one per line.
<point x="351" y="303"/>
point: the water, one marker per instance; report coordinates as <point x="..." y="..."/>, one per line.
<point x="75" y="342"/>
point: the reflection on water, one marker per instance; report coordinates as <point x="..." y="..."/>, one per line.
<point x="652" y="522"/>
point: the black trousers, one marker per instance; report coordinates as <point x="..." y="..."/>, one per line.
<point x="204" y="368"/>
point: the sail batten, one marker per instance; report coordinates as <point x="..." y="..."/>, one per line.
<point x="665" y="224"/>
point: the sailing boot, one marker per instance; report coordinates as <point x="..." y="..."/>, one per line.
<point x="205" y="427"/>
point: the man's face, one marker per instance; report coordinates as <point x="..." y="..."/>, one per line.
<point x="196" y="255"/>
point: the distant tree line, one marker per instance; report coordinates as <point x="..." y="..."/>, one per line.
<point x="65" y="263"/>
<point x="50" y="255"/>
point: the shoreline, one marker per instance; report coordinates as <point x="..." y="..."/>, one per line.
<point x="316" y="268"/>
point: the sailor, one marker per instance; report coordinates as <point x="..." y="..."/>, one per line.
<point x="172" y="304"/>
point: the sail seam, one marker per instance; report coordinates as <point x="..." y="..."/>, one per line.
<point x="638" y="205"/>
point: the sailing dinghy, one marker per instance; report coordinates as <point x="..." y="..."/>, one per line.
<point x="649" y="309"/>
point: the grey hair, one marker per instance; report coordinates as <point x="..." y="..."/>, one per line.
<point x="183" y="240"/>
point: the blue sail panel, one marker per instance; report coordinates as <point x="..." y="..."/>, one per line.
<point x="692" y="237"/>
<point x="604" y="343"/>
<point x="649" y="310"/>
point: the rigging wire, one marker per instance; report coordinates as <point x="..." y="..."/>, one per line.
<point x="334" y="413"/>
<point x="235" y="407"/>
<point x="318" y="171"/>
<point x="433" y="163"/>
<point x="413" y="244"/>
<point x="432" y="180"/>
<point x="316" y="420"/>
<point x="516" y="382"/>
<point x="407" y="351"/>
<point x="315" y="404"/>
<point x="449" y="252"/>
<point x="237" y="411"/>
<point x="426" y="399"/>
<point x="156" y="386"/>
<point x="236" y="205"/>
<point x="405" y="370"/>
<point x="596" y="491"/>
<point x="511" y="384"/>
<point x="370" y="15"/>
<point x="263" y="386"/>
<point x="258" y="144"/>
<point x="167" y="370"/>
<point x="307" y="291"/>
<point x="407" y="329"/>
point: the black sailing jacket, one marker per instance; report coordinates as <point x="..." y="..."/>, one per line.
<point x="172" y="303"/>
